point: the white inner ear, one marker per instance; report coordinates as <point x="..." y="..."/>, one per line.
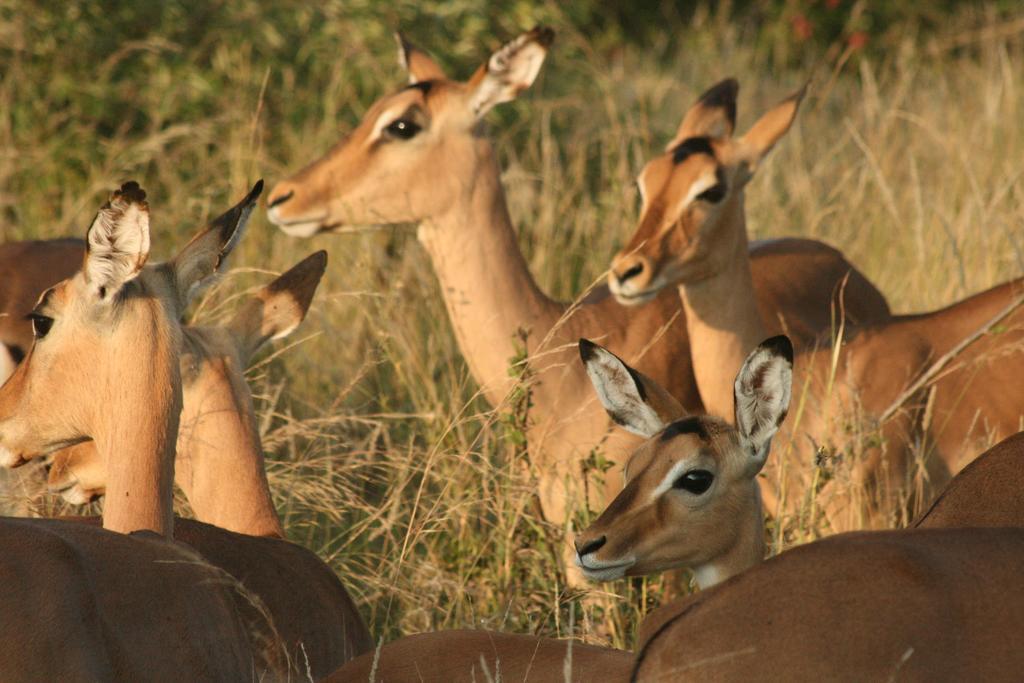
<point x="509" y="70"/>
<point x="118" y="245"/>
<point x="759" y="411"/>
<point x="390" y="115"/>
<point x="619" y="395"/>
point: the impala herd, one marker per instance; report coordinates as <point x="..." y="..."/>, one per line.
<point x="780" y="342"/>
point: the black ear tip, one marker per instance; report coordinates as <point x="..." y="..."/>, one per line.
<point x="256" y="190"/>
<point x="131" y="191"/>
<point x="543" y="35"/>
<point x="588" y="350"/>
<point x="722" y="93"/>
<point x="779" y="346"/>
<point x="319" y="259"/>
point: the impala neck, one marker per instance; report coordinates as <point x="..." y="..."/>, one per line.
<point x="722" y="317"/>
<point x="488" y="290"/>
<point x="220" y="467"/>
<point x="747" y="551"/>
<point x="140" y="438"/>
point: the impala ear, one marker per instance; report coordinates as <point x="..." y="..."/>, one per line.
<point x="769" y="129"/>
<point x="632" y="399"/>
<point x="117" y="244"/>
<point x="509" y="70"/>
<point x="419" y="65"/>
<point x="762" y="392"/>
<point x="205" y="256"/>
<point x="713" y="116"/>
<point x="278" y="308"/>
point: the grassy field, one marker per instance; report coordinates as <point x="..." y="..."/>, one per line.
<point x="907" y="155"/>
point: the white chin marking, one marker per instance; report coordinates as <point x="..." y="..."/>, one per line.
<point x="76" y="495"/>
<point x="610" y="574"/>
<point x="8" y="458"/>
<point x="596" y="570"/>
<point x="307" y="229"/>
<point x="634" y="299"/>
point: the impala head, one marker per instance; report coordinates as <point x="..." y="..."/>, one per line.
<point x="217" y="406"/>
<point x="415" y="152"/>
<point x="107" y="339"/>
<point x="691" y="220"/>
<point x="691" y="498"/>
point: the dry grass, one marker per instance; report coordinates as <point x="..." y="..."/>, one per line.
<point x="383" y="459"/>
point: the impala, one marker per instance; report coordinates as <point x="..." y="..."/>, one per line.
<point x="985" y="493"/>
<point x="27" y="269"/>
<point x="106" y="366"/>
<point x="692" y="498"/>
<point x="419" y="156"/>
<point x="692" y="234"/>
<point x="921" y="604"/>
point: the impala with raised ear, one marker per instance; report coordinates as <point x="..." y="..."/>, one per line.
<point x="692" y="498"/>
<point x="97" y="611"/>
<point x="692" y="234"/>
<point x="113" y="333"/>
<point x="924" y="604"/>
<point x="219" y="461"/>
<point x="419" y="157"/>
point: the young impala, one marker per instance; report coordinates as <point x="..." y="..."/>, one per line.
<point x="419" y="156"/>
<point x="106" y="366"/>
<point x="923" y="604"/>
<point x="692" y="233"/>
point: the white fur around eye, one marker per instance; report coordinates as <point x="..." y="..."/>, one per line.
<point x="390" y="115"/>
<point x="706" y="181"/>
<point x="677" y="470"/>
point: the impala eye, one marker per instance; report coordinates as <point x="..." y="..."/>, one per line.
<point x="402" y="129"/>
<point x="713" y="194"/>
<point x="694" y="481"/>
<point x="41" y="324"/>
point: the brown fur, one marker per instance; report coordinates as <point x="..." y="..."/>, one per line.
<point x="650" y="526"/>
<point x="474" y="656"/>
<point x="989" y="492"/>
<point x="489" y="292"/>
<point x="927" y="604"/>
<point x="86" y="604"/>
<point x="117" y="340"/>
<point x="27" y="269"/>
<point x="701" y="247"/>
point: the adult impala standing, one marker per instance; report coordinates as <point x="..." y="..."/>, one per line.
<point x="419" y="157"/>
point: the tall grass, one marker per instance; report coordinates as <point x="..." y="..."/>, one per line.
<point x="383" y="458"/>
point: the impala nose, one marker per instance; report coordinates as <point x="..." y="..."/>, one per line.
<point x="631" y="269"/>
<point x="280" y="199"/>
<point x="586" y="547"/>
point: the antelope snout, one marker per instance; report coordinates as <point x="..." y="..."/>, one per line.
<point x="281" y="198"/>
<point x="630" y="276"/>
<point x="585" y="546"/>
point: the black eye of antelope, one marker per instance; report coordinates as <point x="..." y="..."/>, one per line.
<point x="713" y="194"/>
<point x="402" y="129"/>
<point x="41" y="324"/>
<point x="694" y="481"/>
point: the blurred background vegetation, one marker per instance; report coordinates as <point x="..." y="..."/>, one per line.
<point x="907" y="155"/>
